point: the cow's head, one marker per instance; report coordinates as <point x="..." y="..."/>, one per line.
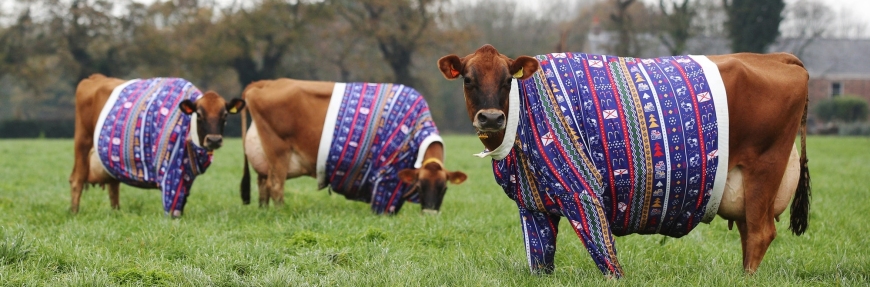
<point x="487" y="76"/>
<point x="430" y="181"/>
<point x="211" y="116"/>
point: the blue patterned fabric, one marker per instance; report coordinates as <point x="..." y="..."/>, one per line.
<point x="618" y="146"/>
<point x="142" y="138"/>
<point x="379" y="129"/>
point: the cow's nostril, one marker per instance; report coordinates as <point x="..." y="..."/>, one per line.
<point x="482" y="118"/>
<point x="500" y="119"/>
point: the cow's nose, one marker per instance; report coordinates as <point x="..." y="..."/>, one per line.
<point x="490" y="119"/>
<point x="431" y="212"/>
<point x="213" y="141"/>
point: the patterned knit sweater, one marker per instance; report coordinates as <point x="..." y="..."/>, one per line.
<point x="616" y="145"/>
<point x="371" y="132"/>
<point x="144" y="140"/>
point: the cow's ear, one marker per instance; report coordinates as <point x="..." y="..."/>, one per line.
<point x="456" y="177"/>
<point x="524" y="67"/>
<point x="235" y="105"/>
<point x="450" y="66"/>
<point x="187" y="107"/>
<point x="408" y="175"/>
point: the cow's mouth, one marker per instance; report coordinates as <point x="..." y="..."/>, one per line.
<point x="431" y="211"/>
<point x="213" y="142"/>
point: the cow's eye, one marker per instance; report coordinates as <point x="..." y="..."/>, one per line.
<point x="467" y="81"/>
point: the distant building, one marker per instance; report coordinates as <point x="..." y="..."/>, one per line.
<point x="836" y="66"/>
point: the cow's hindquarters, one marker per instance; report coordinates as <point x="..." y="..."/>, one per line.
<point x="92" y="95"/>
<point x="767" y="97"/>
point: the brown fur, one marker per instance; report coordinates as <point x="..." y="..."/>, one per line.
<point x="767" y="97"/>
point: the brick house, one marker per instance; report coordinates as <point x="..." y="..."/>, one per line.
<point x="836" y="66"/>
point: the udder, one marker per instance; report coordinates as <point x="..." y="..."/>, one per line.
<point x="297" y="165"/>
<point x="733" y="198"/>
<point x="97" y="174"/>
<point x="254" y="151"/>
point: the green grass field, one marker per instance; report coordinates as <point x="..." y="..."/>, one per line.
<point x="323" y="239"/>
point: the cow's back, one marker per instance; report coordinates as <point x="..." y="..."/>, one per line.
<point x="763" y="88"/>
<point x="91" y="96"/>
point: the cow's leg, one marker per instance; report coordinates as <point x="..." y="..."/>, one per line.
<point x="113" y="194"/>
<point x="263" y="188"/>
<point x="762" y="181"/>
<point x="277" y="176"/>
<point x="79" y="176"/>
<point x="277" y="154"/>
<point x="584" y="212"/>
<point x="539" y="232"/>
<point x="741" y="227"/>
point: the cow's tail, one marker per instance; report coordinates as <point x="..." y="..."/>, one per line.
<point x="245" y="188"/>
<point x="800" y="205"/>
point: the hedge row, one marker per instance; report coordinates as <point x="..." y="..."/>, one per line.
<point x="847" y="109"/>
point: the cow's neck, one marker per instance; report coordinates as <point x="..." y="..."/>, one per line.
<point x="435" y="151"/>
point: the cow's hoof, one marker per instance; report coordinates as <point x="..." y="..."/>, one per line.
<point x="176" y="214"/>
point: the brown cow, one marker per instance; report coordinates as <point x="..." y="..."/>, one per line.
<point x="293" y="126"/>
<point x="167" y="111"/>
<point x="766" y="105"/>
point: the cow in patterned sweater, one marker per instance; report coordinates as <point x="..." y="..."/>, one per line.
<point x="621" y="145"/>
<point x="371" y="142"/>
<point x="149" y="133"/>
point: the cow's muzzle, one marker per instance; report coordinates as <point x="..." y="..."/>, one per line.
<point x="489" y="120"/>
<point x="431" y="211"/>
<point x="213" y="141"/>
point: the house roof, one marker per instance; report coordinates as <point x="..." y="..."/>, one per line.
<point x="831" y="58"/>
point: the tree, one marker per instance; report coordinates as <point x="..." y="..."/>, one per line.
<point x="753" y="24"/>
<point x="805" y="21"/>
<point x="16" y="56"/>
<point x="616" y="32"/>
<point x="256" y="41"/>
<point x="87" y="32"/>
<point x="349" y="52"/>
<point x="33" y="65"/>
<point x="624" y="24"/>
<point x="501" y="23"/>
<point x="400" y="28"/>
<point x="677" y="25"/>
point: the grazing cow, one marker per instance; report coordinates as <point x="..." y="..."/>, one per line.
<point x="148" y="133"/>
<point x="666" y="131"/>
<point x="374" y="143"/>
